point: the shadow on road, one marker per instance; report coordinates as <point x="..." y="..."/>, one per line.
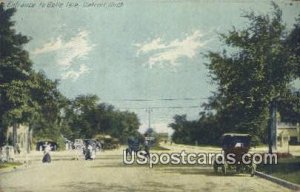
<point x="98" y="186"/>
<point x="207" y="171"/>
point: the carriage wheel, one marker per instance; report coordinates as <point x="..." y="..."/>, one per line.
<point x="128" y="152"/>
<point x="253" y="169"/>
<point x="224" y="169"/>
<point x="238" y="169"/>
<point x="215" y="166"/>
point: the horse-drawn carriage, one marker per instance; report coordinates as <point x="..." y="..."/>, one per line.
<point x="134" y="145"/>
<point x="235" y="148"/>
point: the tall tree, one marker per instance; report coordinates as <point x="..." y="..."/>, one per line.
<point x="15" y="67"/>
<point x="256" y="69"/>
<point x="25" y="95"/>
<point x="254" y="72"/>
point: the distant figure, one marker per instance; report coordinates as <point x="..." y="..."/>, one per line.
<point x="47" y="157"/>
<point x="147" y="148"/>
<point x="17" y="148"/>
<point x="90" y="152"/>
<point x="1" y="154"/>
<point x="98" y="146"/>
<point x="7" y="153"/>
<point x="93" y="152"/>
<point x="77" y="153"/>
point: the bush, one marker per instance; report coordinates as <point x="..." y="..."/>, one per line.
<point x="255" y="141"/>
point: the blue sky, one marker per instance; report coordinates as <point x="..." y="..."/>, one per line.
<point x="144" y="50"/>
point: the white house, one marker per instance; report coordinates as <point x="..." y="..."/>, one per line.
<point x="288" y="133"/>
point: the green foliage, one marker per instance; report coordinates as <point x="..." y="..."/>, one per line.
<point x="286" y="168"/>
<point x="253" y="74"/>
<point x="255" y="141"/>
<point x="256" y="67"/>
<point x="15" y="66"/>
<point x="202" y="131"/>
<point x="289" y="107"/>
<point x="86" y="119"/>
<point x="4" y="165"/>
<point x="30" y="97"/>
<point x="25" y="96"/>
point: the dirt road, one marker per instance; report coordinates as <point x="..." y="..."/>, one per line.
<point x="108" y="173"/>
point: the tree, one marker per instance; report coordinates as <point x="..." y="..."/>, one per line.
<point x="255" y="71"/>
<point x="25" y="95"/>
<point x="293" y="43"/>
<point x="88" y="118"/>
<point x="203" y="131"/>
<point x="289" y="106"/>
<point x="15" y="67"/>
<point x="79" y="115"/>
<point x="47" y="122"/>
<point x="30" y="97"/>
<point x="181" y="133"/>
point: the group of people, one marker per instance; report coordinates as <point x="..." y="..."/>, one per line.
<point x="88" y="150"/>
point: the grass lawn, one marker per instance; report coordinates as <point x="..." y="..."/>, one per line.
<point x="287" y="169"/>
<point x="159" y="148"/>
<point x="9" y="164"/>
<point x="293" y="177"/>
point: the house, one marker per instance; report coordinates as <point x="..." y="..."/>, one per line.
<point x="288" y="133"/>
<point x="163" y="137"/>
<point x="23" y="137"/>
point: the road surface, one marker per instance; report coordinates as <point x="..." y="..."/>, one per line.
<point x="108" y="173"/>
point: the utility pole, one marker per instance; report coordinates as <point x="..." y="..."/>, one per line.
<point x="273" y="127"/>
<point x="149" y="110"/>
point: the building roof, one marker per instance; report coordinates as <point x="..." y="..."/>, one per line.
<point x="282" y="125"/>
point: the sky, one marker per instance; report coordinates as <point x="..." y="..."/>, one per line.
<point x="134" y="54"/>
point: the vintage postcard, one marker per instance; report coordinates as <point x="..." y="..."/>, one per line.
<point x="149" y="95"/>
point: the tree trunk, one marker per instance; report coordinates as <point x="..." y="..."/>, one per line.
<point x="28" y="142"/>
<point x="15" y="134"/>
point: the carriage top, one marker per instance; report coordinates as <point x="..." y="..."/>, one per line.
<point x="235" y="140"/>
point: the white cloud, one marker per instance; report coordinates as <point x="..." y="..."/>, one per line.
<point x="74" y="75"/>
<point x="53" y="45"/>
<point x="153" y="45"/>
<point x="161" y="53"/>
<point x="69" y="53"/>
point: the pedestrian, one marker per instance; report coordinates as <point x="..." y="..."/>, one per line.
<point x="88" y="151"/>
<point x="147" y="148"/>
<point x="47" y="157"/>
<point x="1" y="155"/>
<point x="93" y="152"/>
<point x="77" y="153"/>
<point x="7" y="154"/>
<point x="18" y="150"/>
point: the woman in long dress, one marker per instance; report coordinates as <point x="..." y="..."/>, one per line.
<point x="47" y="157"/>
<point x="93" y="153"/>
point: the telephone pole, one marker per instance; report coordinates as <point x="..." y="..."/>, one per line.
<point x="149" y="110"/>
<point x="273" y="127"/>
